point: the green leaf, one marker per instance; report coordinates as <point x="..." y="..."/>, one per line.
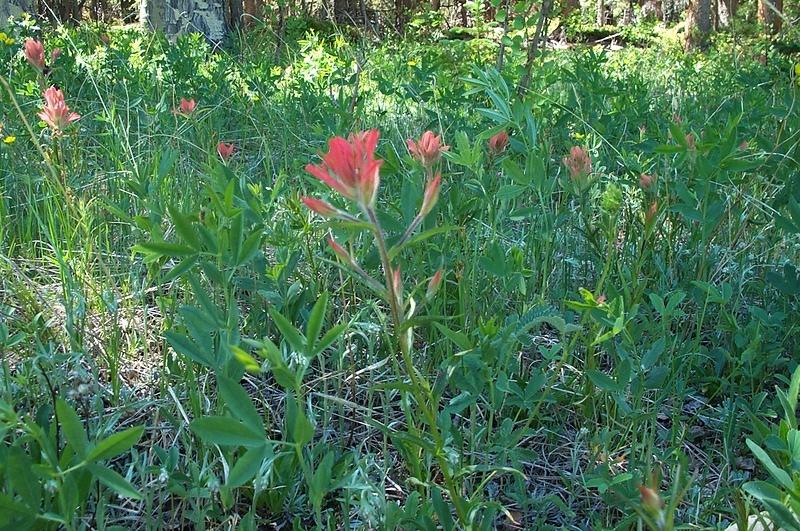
<point x="184" y="228"/>
<point x="160" y="248"/>
<point x="442" y="510"/>
<point x="226" y="431"/>
<point x="291" y="334"/>
<point x="114" y="481"/>
<point x="115" y="444"/>
<point x="315" y="320"/>
<point x="778" y="474"/>
<point x="603" y="381"/>
<point x="239" y="403"/>
<point x="72" y="427"/>
<point x="247" y="466"/>
<point x="249" y="248"/>
<point x="651" y="356"/>
<point x="183" y="266"/>
<point x="302" y="431"/>
<point x="321" y="480"/>
<point x="330" y="336"/>
<point x="185" y="346"/>
<point x="460" y="339"/>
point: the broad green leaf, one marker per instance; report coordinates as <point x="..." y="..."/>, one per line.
<point x="777" y="473"/>
<point x="315" y="320"/>
<point x="460" y="339"/>
<point x="651" y="356"/>
<point x="184" y="228"/>
<point x="239" y="403"/>
<point x="159" y="248"/>
<point x="330" y="336"/>
<point x="186" y="347"/>
<point x="247" y="466"/>
<point x="114" y="481"/>
<point x="321" y="480"/>
<point x="302" y="431"/>
<point x="72" y="427"/>
<point x="115" y="444"/>
<point x="291" y="334"/>
<point x="603" y="381"/>
<point x="227" y="431"/>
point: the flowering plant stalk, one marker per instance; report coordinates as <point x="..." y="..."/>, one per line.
<point x="351" y="169"/>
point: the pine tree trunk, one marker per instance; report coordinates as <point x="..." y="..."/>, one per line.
<point x="569" y="6"/>
<point x="698" y="24"/>
<point x="175" y="17"/>
<point x="15" y="8"/>
<point x="767" y="16"/>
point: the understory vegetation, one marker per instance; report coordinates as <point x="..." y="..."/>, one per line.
<point x="567" y="307"/>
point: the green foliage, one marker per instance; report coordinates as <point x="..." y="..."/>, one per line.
<point x="592" y="333"/>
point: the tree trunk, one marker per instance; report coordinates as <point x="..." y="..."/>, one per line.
<point x="175" y="17"/>
<point x="601" y="13"/>
<point x="569" y="6"/>
<point x="15" y="8"/>
<point x="767" y="16"/>
<point x="698" y="24"/>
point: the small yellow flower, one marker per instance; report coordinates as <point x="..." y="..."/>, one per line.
<point x="9" y="139"/>
<point x="797" y="69"/>
<point x="3" y="36"/>
<point x="10" y="41"/>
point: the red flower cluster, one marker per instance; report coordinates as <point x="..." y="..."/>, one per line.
<point x="55" y="112"/>
<point x="350" y="167"/>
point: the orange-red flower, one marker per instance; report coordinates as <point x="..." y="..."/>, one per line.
<point x="433" y="284"/>
<point x="55" y="112"/>
<point x="578" y="163"/>
<point x="498" y="143"/>
<point x="340" y="251"/>
<point x="34" y="53"/>
<point x="651" y="213"/>
<point x="431" y="195"/>
<point x="428" y="149"/>
<point x="646" y="181"/>
<point x="350" y="166"/>
<point x="323" y="208"/>
<point x="186" y="107"/>
<point x="225" y="150"/>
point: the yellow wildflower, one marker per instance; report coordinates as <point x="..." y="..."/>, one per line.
<point x="9" y="139"/>
<point x="10" y="41"/>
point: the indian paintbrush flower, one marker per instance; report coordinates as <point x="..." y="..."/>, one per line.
<point x="340" y="251"/>
<point x="433" y="284"/>
<point x="428" y="149"/>
<point x="646" y="181"/>
<point x="431" y="195"/>
<point x="225" y="150"/>
<point x="186" y="107"/>
<point x="578" y="163"/>
<point x="350" y="167"/>
<point x="34" y="53"/>
<point x="55" y="112"/>
<point x="323" y="208"/>
<point x="498" y="143"/>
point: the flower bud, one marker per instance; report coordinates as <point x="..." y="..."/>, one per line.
<point x="433" y="285"/>
<point x="340" y="251"/>
<point x="646" y="181"/>
<point x="34" y="53"/>
<point x="498" y="143"/>
<point x="323" y="208"/>
<point x="431" y="195"/>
